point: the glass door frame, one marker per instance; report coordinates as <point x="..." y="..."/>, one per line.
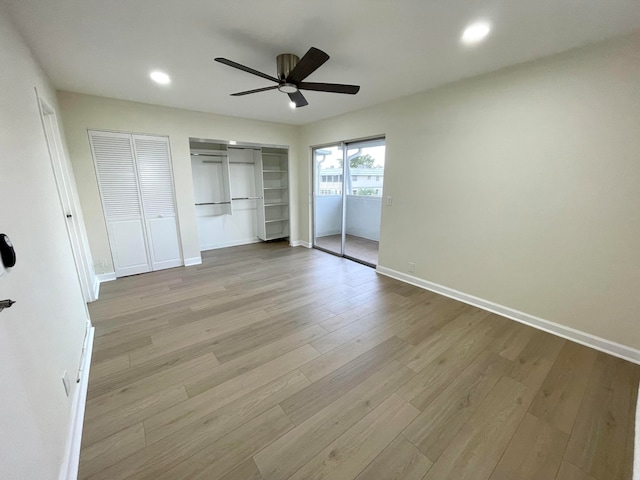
<point x="344" y="145"/>
<point x="314" y="194"/>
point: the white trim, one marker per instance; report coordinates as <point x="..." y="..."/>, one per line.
<point x="215" y="246"/>
<point x="636" y="458"/>
<point x="106" y="277"/>
<point x="192" y="261"/>
<point x="96" y="288"/>
<point x="67" y="194"/>
<point x="607" y="346"/>
<point x="69" y="468"/>
<point x="300" y="243"/>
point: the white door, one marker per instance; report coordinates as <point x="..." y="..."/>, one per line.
<point x="121" y="201"/>
<point x="69" y="203"/>
<point x="153" y="160"/>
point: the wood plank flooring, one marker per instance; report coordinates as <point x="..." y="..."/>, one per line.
<point x="356" y="247"/>
<point x="269" y="363"/>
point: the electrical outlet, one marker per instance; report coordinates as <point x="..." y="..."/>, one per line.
<point x="412" y="267"/>
<point x="389" y="200"/>
<point x="67" y="383"/>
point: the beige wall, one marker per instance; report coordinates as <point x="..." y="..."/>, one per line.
<point x="521" y="187"/>
<point x="41" y="336"/>
<point x="82" y="112"/>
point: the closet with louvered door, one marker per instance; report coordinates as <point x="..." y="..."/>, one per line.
<point x="135" y="180"/>
<point x="158" y="200"/>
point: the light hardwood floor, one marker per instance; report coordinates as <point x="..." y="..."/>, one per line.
<point x="270" y="362"/>
<point x="356" y="247"/>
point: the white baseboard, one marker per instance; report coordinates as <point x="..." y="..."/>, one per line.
<point x="96" y="288"/>
<point x="607" y="346"/>
<point x="106" y="277"/>
<point x="188" y="262"/>
<point x="300" y="243"/>
<point x="69" y="469"/>
<point x="215" y="246"/>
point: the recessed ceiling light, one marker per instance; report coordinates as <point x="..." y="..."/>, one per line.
<point x="232" y="142"/>
<point x="292" y="104"/>
<point x="160" y="77"/>
<point x="476" y="32"/>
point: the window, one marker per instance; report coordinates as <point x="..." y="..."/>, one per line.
<point x="355" y="191"/>
<point x="368" y="177"/>
<point x="354" y="178"/>
<point x="377" y="178"/>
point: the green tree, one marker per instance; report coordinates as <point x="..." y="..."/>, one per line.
<point x="362" y="161"/>
<point x="356" y="160"/>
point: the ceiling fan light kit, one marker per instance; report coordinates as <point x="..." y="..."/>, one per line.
<point x="291" y="71"/>
<point x="287" y="88"/>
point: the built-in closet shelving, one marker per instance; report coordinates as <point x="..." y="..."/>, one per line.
<point x="272" y="179"/>
<point x="241" y="192"/>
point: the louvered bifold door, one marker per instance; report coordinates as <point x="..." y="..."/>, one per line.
<point x="121" y="202"/>
<point x="158" y="200"/>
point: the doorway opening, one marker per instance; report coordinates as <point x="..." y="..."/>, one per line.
<point x="348" y="181"/>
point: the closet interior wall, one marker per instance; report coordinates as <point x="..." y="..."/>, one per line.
<point x="225" y="193"/>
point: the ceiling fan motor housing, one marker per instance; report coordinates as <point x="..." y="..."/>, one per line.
<point x="286" y="63"/>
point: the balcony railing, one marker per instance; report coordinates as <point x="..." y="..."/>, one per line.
<point x="363" y="215"/>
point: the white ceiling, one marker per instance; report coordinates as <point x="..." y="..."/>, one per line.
<point x="391" y="48"/>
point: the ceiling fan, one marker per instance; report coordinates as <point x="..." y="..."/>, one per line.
<point x="292" y="70"/>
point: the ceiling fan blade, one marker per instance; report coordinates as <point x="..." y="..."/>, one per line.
<point x="330" y="87"/>
<point x="246" y="69"/>
<point x="257" y="90"/>
<point x="298" y="99"/>
<point x="308" y="64"/>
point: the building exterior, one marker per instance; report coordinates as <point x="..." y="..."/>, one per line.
<point x="364" y="181"/>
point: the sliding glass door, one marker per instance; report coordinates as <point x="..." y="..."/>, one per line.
<point x="347" y="198"/>
<point x="363" y="199"/>
<point x="327" y="198"/>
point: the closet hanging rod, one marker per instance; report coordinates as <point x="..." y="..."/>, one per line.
<point x="209" y="154"/>
<point x="246" y="198"/>
<point x="231" y="162"/>
<point x="277" y="154"/>
<point x="213" y="203"/>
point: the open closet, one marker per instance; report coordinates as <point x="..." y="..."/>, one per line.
<point x="241" y="192"/>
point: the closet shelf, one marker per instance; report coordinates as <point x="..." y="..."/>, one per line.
<point x="273" y="170"/>
<point x="214" y="203"/>
<point x="276" y="236"/>
<point x="279" y="204"/>
<point x="215" y="154"/>
<point x="275" y="188"/>
<point x="277" y="220"/>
